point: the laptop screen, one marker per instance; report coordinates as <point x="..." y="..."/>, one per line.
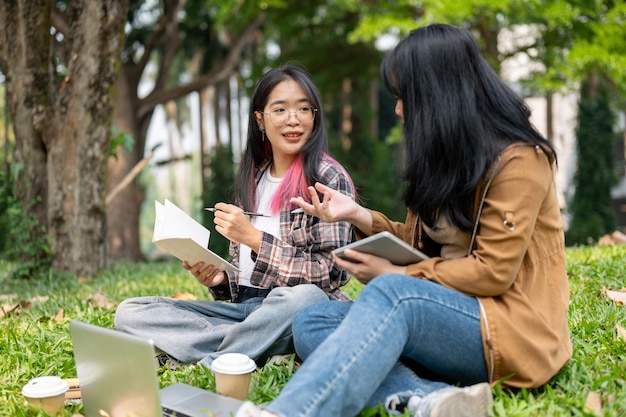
<point x="118" y="378"/>
<point x="117" y="372"/>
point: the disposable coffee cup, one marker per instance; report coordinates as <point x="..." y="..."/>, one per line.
<point x="233" y="373"/>
<point x="47" y="392"/>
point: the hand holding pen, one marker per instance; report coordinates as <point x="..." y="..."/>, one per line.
<point x="247" y="213"/>
<point x="234" y="224"/>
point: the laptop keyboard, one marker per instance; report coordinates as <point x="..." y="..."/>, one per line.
<point x="168" y="412"/>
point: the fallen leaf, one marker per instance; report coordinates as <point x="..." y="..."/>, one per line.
<point x="618" y="237"/>
<point x="22" y="305"/>
<point x="593" y="404"/>
<point x="618" y="296"/>
<point x="7" y="297"/>
<point x="621" y="333"/>
<point x="8" y="309"/>
<point x="59" y="317"/>
<point x="184" y="296"/>
<point x="26" y="305"/>
<point x="39" y="299"/>
<point x="100" y="300"/>
<point x="615" y="238"/>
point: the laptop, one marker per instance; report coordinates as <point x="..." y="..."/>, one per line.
<point x="118" y="378"/>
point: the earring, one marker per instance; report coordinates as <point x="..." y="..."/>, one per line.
<point x="262" y="134"/>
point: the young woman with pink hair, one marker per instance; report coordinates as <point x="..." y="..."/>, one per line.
<point x="284" y="257"/>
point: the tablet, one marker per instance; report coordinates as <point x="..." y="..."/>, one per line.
<point x="385" y="245"/>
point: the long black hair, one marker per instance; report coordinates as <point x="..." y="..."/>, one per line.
<point x="258" y="149"/>
<point x="458" y="115"/>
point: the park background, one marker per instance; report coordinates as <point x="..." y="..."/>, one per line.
<point x="108" y="105"/>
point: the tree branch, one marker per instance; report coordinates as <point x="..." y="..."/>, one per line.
<point x="167" y="23"/>
<point x="168" y="52"/>
<point x="218" y="74"/>
<point x="129" y="177"/>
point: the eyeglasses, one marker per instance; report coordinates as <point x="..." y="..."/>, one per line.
<point x="280" y="116"/>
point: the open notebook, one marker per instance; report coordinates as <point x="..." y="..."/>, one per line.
<point x="118" y="378"/>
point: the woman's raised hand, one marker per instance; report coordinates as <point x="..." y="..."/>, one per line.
<point x="333" y="207"/>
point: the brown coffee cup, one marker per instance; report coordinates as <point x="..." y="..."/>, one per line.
<point x="233" y="373"/>
<point x="47" y="392"/>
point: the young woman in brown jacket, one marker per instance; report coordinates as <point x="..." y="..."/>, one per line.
<point x="491" y="302"/>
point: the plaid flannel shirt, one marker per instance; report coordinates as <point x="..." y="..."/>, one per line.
<point x="302" y="252"/>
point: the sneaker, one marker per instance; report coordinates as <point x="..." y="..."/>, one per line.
<point x="163" y="359"/>
<point x="471" y="401"/>
<point x="248" y="409"/>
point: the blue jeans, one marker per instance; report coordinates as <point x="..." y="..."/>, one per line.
<point x="403" y="336"/>
<point x="201" y="330"/>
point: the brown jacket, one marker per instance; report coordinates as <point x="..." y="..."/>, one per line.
<point x="515" y="268"/>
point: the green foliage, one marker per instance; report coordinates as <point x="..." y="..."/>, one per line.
<point x="37" y="341"/>
<point x="597" y="41"/>
<point x="23" y="239"/>
<point x="27" y="243"/>
<point x="591" y="207"/>
<point x="571" y="37"/>
<point x="379" y="18"/>
<point x="327" y="38"/>
<point x="120" y="138"/>
<point x="217" y="188"/>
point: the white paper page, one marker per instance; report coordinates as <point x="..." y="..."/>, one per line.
<point x="172" y="222"/>
<point x="180" y="235"/>
<point x="158" y="210"/>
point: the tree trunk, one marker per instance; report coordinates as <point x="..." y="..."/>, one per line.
<point x="550" y="116"/>
<point x="123" y="212"/>
<point x="204" y="160"/>
<point x="346" y="114"/>
<point x="25" y="59"/>
<point x="228" y="110"/>
<point x="242" y="124"/>
<point x="62" y="129"/>
<point x="489" y="29"/>
<point x="217" y="110"/>
<point x="375" y="111"/>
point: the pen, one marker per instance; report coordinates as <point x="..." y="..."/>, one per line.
<point x="247" y="213"/>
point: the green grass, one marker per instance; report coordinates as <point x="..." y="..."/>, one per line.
<point x="36" y="342"/>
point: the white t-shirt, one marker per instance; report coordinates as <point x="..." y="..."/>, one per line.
<point x="265" y="191"/>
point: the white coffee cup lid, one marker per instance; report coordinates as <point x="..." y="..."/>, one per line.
<point x="45" y="386"/>
<point x="233" y="364"/>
